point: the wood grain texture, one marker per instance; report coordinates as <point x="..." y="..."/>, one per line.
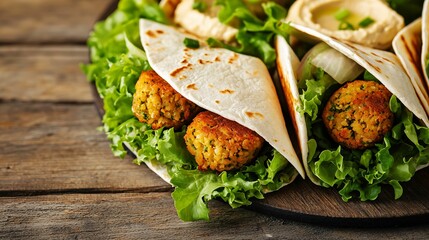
<point x="44" y="73"/>
<point x="47" y="21"/>
<point x="48" y="147"/>
<point x="152" y="216"/>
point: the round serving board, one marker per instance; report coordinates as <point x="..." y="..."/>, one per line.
<point x="304" y="201"/>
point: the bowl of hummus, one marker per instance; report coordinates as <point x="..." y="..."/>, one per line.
<point x="370" y="23"/>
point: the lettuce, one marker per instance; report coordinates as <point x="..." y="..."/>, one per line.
<point x="117" y="60"/>
<point x="362" y="173"/>
<point x="255" y="36"/>
<point x="193" y="188"/>
<point x="312" y="95"/>
<point x="107" y="40"/>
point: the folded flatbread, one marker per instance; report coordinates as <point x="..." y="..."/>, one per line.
<point x="235" y="86"/>
<point x="411" y="45"/>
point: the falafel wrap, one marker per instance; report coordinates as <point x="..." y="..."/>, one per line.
<point x="207" y="120"/>
<point x="359" y="121"/>
<point x="236" y="86"/>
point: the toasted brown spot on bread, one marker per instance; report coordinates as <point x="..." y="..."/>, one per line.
<point x="192" y="86"/>
<point x="233" y="58"/>
<point x="254" y="114"/>
<point x="150" y="33"/>
<point x="202" y="61"/>
<point x="227" y="91"/>
<point x="180" y="69"/>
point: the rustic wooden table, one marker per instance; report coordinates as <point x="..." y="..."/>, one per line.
<point x="58" y="177"/>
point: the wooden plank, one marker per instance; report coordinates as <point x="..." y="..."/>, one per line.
<point x="49" y="21"/>
<point x="152" y="216"/>
<point x="43" y="73"/>
<point x="46" y="147"/>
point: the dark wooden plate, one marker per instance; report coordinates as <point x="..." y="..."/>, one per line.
<point x="304" y="201"/>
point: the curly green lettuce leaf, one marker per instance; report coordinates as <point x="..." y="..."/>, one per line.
<point x="316" y="84"/>
<point x="192" y="192"/>
<point x="117" y="89"/>
<point x="193" y="188"/>
<point x="111" y="37"/>
<point x="106" y="40"/>
<point x="255" y="36"/>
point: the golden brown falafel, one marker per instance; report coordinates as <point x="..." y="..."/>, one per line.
<point x="358" y="115"/>
<point x="220" y="144"/>
<point x="156" y="103"/>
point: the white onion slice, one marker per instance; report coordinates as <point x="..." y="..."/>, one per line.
<point x="341" y="68"/>
<point x="306" y="68"/>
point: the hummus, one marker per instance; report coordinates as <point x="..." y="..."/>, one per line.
<point x="321" y="16"/>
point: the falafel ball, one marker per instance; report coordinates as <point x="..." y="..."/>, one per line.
<point x="156" y="103"/>
<point x="220" y="144"/>
<point x="357" y="115"/>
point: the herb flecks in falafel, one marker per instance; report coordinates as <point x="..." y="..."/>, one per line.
<point x="220" y="144"/>
<point x="156" y="103"/>
<point x="357" y="115"/>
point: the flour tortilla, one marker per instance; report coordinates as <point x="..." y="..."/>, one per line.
<point x="385" y="66"/>
<point x="235" y="86"/>
<point x="407" y="45"/>
<point x="288" y="64"/>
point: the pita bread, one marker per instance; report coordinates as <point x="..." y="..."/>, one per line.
<point x="407" y="46"/>
<point x="288" y="64"/>
<point x="235" y="86"/>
